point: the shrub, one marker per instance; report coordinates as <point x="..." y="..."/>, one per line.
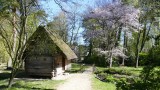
<point x="114" y="75"/>
<point x="111" y="78"/>
<point x="95" y="59"/>
<point x="117" y="71"/>
<point x="143" y="57"/>
<point x="150" y="76"/>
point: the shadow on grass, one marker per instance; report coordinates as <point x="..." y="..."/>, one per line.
<point x="18" y="85"/>
<point x="4" y="75"/>
<point x="22" y="81"/>
<point x="20" y="74"/>
<point x="3" y="87"/>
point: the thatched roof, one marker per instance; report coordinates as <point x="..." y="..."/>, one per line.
<point x="67" y="51"/>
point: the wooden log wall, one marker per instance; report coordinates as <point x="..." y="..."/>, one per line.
<point x="37" y="65"/>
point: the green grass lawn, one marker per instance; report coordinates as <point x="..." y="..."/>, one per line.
<point x="31" y="84"/>
<point x="25" y="82"/>
<point x="37" y="84"/>
<point x="42" y="84"/>
<point x="99" y="85"/>
<point x="75" y="67"/>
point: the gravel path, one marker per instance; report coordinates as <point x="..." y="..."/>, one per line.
<point x="79" y="81"/>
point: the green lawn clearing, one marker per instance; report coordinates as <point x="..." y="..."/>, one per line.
<point x="99" y="85"/>
<point x="76" y="67"/>
<point x="31" y="84"/>
<point x="24" y="82"/>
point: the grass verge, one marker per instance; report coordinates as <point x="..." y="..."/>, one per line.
<point x="31" y="84"/>
<point x="75" y="68"/>
<point x="99" y="85"/>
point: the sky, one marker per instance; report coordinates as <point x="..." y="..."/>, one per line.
<point x="52" y="9"/>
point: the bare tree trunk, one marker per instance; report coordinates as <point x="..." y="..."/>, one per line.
<point x="9" y="64"/>
<point x="73" y="27"/>
<point x="24" y="41"/>
<point x="124" y="47"/>
<point x="118" y="36"/>
<point x="76" y="34"/>
<point x="123" y="62"/>
<point x="111" y="60"/>
<point x="145" y="34"/>
<point x="90" y="48"/>
<point x="137" y="59"/>
<point x="137" y="49"/>
<point x="17" y="55"/>
<point x="11" y="79"/>
<point x="10" y="82"/>
<point x="72" y="34"/>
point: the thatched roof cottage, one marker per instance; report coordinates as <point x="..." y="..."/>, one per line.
<point x="47" y="54"/>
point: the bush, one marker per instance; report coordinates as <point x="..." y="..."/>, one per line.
<point x="111" y="78"/>
<point x="143" y="57"/>
<point x="130" y="61"/>
<point x="154" y="56"/>
<point x="151" y="73"/>
<point x="116" y="71"/>
<point x="150" y="76"/>
<point x="125" y="85"/>
<point x="95" y="59"/>
<point x="114" y="75"/>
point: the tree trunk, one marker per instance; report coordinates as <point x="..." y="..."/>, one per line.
<point x="137" y="59"/>
<point x="76" y="34"/>
<point x="10" y="83"/>
<point x="90" y="48"/>
<point x="17" y="55"/>
<point x="123" y="62"/>
<point x="9" y="64"/>
<point x="124" y="47"/>
<point x="118" y="36"/>
<point x="72" y="31"/>
<point x="145" y="34"/>
<point x="111" y="60"/>
<point x="137" y="49"/>
<point x="11" y="79"/>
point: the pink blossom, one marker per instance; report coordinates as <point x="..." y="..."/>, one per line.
<point x="115" y="14"/>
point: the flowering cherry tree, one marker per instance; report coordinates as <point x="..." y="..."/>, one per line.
<point x="106" y="24"/>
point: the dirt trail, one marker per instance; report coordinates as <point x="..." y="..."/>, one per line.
<point x="79" y="81"/>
